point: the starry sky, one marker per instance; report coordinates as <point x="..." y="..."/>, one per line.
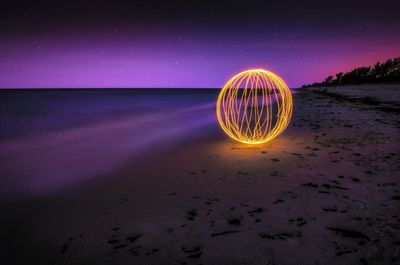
<point x="189" y="43"/>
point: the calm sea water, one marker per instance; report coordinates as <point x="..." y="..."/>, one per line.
<point x="30" y="112"/>
<point x="53" y="139"/>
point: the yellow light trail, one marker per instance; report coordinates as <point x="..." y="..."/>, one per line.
<point x="254" y="106"/>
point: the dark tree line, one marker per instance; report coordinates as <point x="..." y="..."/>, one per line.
<point x="387" y="72"/>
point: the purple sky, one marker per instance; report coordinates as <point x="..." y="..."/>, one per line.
<point x="195" y="54"/>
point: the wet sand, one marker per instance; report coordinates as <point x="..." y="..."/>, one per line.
<point x="326" y="191"/>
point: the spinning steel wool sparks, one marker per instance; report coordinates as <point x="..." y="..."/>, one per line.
<point x="254" y="106"/>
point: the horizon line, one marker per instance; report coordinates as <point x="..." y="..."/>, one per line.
<point x="99" y="88"/>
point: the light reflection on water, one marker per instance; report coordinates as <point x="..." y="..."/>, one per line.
<point x="51" y="139"/>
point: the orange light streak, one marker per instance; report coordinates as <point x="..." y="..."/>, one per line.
<point x="254" y="106"/>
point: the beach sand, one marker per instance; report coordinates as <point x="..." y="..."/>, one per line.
<point x="326" y="191"/>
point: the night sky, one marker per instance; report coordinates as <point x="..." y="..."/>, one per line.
<point x="189" y="43"/>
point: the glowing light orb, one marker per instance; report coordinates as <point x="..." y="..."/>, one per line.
<point x="254" y="106"/>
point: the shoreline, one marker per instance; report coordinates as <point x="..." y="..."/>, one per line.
<point x="324" y="191"/>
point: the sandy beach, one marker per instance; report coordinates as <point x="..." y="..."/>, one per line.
<point x="326" y="191"/>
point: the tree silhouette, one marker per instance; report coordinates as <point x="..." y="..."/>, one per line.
<point x="386" y="72"/>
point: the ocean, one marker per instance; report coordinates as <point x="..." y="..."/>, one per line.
<point x="51" y="139"/>
<point x="32" y="112"/>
